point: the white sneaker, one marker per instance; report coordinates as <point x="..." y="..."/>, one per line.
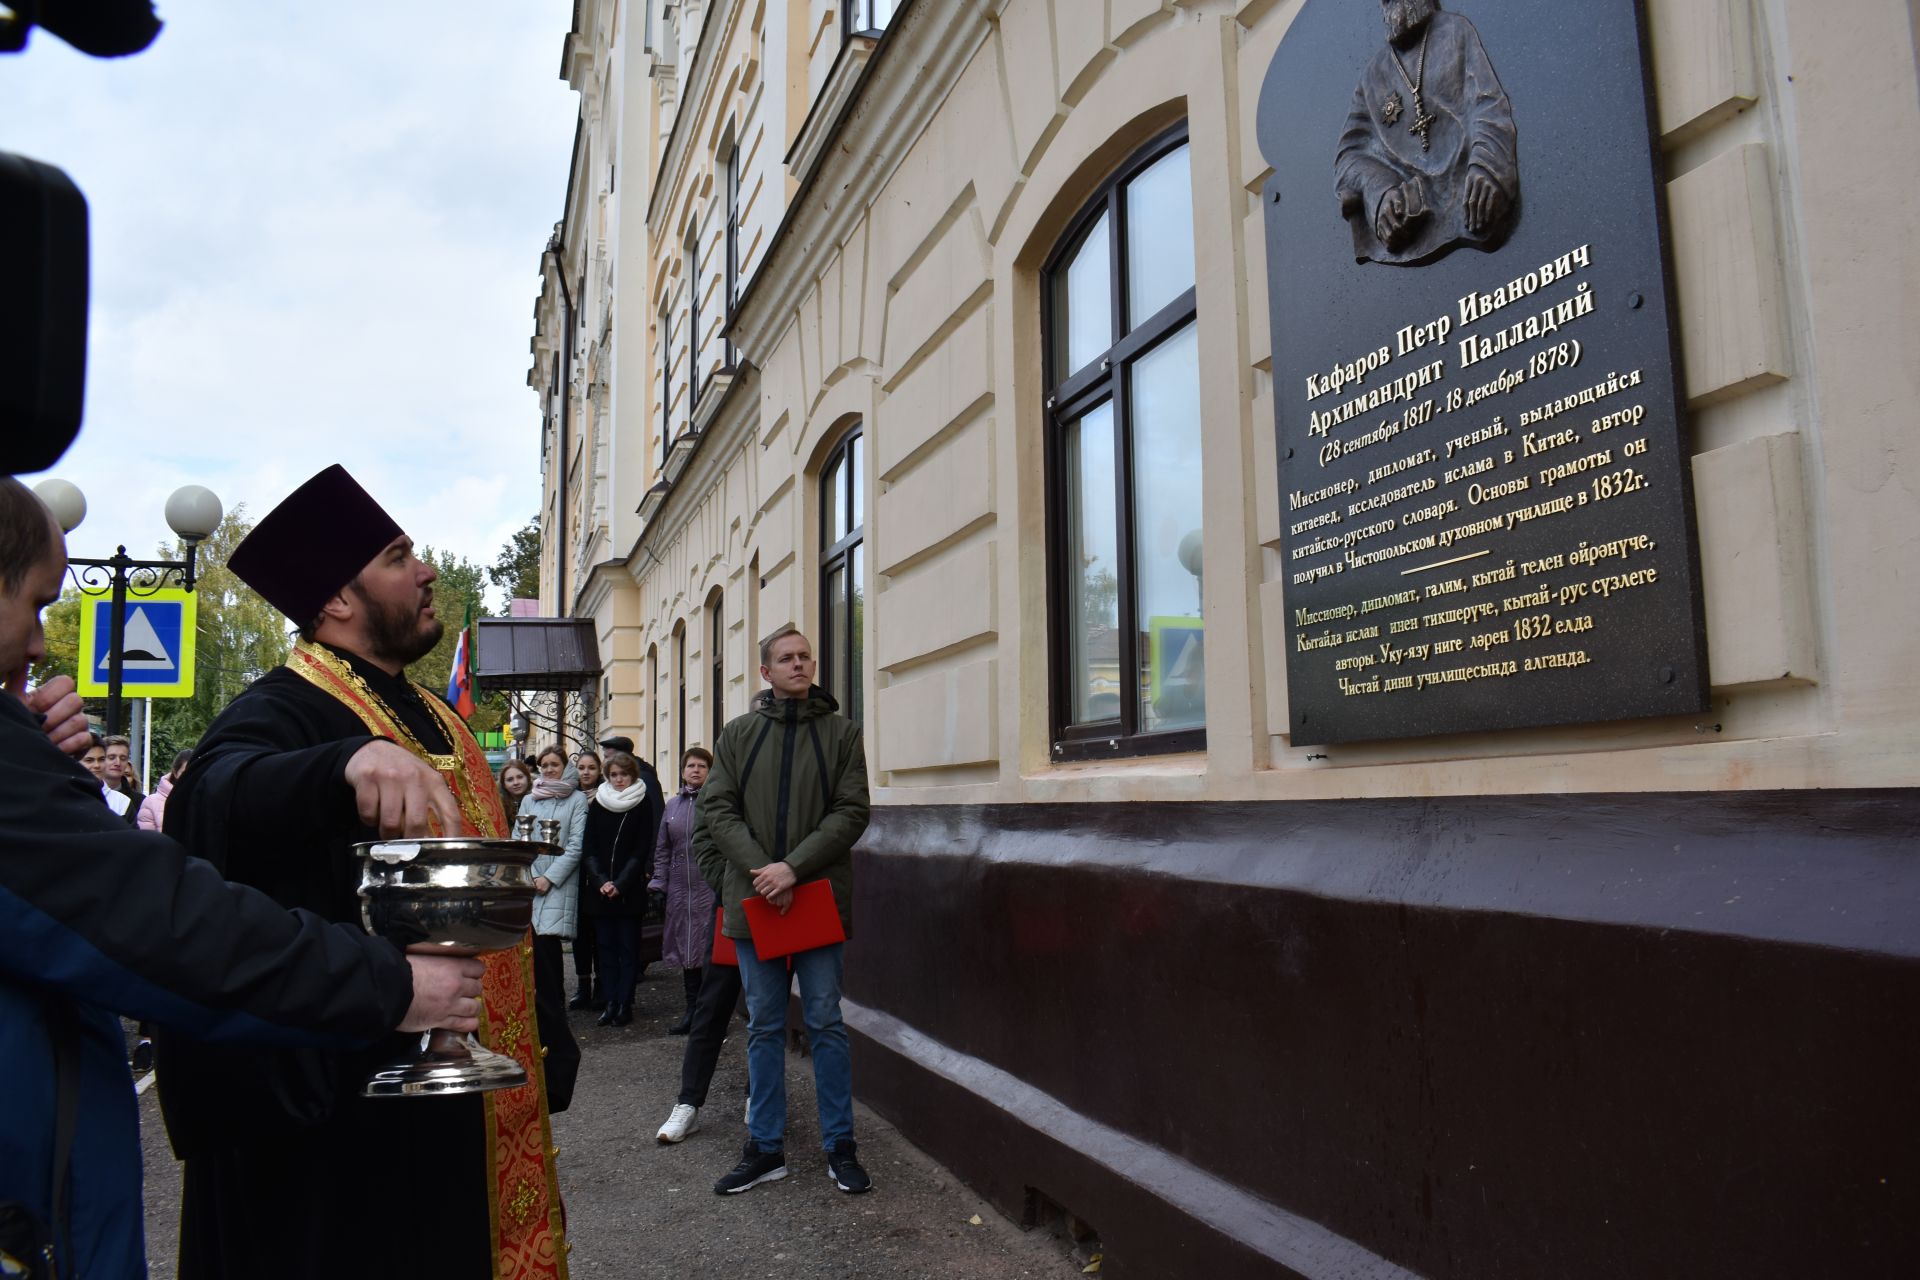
<point x="685" y="1120"/>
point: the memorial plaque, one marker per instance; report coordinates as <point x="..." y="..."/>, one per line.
<point x="1485" y="497"/>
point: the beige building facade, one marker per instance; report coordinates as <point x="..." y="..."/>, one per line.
<point x="808" y="340"/>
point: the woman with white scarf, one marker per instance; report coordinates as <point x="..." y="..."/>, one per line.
<point x="555" y="797"/>
<point x="619" y="849"/>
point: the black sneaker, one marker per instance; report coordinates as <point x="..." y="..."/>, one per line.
<point x="142" y="1060"/>
<point x="845" y="1170"/>
<point x="755" y="1167"/>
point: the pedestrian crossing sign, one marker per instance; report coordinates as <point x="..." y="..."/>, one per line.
<point x="156" y="659"/>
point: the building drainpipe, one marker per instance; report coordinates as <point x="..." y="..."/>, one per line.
<point x="560" y="485"/>
<point x="566" y="399"/>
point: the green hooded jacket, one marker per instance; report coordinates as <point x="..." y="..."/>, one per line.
<point x="789" y="783"/>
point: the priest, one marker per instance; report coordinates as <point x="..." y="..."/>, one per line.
<point x="288" y="1171"/>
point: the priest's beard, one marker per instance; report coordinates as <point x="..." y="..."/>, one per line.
<point x="1406" y="17"/>
<point x="397" y="633"/>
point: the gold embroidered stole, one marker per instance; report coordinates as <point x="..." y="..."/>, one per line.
<point x="523" y="1198"/>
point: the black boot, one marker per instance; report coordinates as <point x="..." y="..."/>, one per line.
<point x="690" y="979"/>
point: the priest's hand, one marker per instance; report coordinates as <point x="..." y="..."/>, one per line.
<point x="446" y="993"/>
<point x="61" y="712"/>
<point x="399" y="794"/>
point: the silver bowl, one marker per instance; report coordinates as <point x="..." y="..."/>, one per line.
<point x="463" y="895"/>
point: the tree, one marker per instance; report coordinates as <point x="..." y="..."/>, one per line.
<point x="460" y="587"/>
<point x="517" y="571"/>
<point x="238" y="638"/>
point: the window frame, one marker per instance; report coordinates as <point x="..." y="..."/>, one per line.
<point x="1068" y="395"/>
<point x="717" y="664"/>
<point x="850" y="25"/>
<point x="693" y="320"/>
<point x="680" y="675"/>
<point x="729" y="354"/>
<point x="839" y="553"/>
<point x="666" y="387"/>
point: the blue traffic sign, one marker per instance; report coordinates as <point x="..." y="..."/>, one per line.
<point x="157" y="645"/>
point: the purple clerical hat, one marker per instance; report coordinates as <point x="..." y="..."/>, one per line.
<point x="310" y="546"/>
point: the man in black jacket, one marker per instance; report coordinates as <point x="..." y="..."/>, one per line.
<point x="96" y="918"/>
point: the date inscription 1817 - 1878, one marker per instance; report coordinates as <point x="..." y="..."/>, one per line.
<point x="1429" y="159"/>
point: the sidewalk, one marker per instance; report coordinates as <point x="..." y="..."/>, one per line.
<point x="638" y="1209"/>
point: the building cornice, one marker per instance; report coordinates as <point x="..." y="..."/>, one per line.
<point x="906" y="80"/>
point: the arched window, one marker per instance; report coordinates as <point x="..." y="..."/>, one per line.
<point x="1123" y="466"/>
<point x="716" y="665"/>
<point x="650" y="708"/>
<point x="694" y="336"/>
<point x="680" y="676"/>
<point x="730" y="356"/>
<point x="839" y="646"/>
<point x="666" y="386"/>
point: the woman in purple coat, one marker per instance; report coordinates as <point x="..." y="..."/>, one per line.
<point x="688" y="937"/>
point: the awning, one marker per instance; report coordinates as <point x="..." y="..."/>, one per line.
<point x="532" y="655"/>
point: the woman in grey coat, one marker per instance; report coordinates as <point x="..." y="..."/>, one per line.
<point x="556" y="880"/>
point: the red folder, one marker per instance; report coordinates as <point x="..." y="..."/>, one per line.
<point x="723" y="952"/>
<point x="811" y="921"/>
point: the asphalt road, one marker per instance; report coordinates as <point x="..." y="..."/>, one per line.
<point x="639" y="1209"/>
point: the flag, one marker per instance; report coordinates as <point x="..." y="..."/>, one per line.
<point x="460" y="679"/>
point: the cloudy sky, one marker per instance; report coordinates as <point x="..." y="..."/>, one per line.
<point x="316" y="239"/>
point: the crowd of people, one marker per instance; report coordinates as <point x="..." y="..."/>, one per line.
<point x="240" y="939"/>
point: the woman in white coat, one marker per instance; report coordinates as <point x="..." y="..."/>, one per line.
<point x="556" y="879"/>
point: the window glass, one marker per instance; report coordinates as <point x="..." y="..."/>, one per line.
<point x="1093" y="581"/>
<point x="1167" y="519"/>
<point x="1159" y="236"/>
<point x="835" y="673"/>
<point x="855" y="487"/>
<point x="852" y="699"/>
<point x="1083" y="303"/>
<point x="832" y="494"/>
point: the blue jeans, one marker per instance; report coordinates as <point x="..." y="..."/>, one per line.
<point x="766" y="985"/>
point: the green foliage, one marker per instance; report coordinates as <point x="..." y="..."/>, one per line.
<point x="61" y="621"/>
<point x="239" y="638"/>
<point x="461" y="586"/>
<point x="517" y="571"/>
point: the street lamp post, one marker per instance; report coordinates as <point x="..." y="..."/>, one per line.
<point x="193" y="512"/>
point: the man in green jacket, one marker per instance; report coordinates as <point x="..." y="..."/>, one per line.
<point x="785" y="801"/>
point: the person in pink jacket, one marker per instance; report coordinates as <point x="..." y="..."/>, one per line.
<point x="154" y="807"/>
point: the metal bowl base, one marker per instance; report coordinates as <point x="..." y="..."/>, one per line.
<point x="436" y="1071"/>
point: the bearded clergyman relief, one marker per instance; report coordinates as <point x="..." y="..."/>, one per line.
<point x="1428" y="159"/>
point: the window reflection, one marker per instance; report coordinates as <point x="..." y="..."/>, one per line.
<point x="1166" y="519"/>
<point x="1083" y="303"/>
<point x="1159" y="236"/>
<point x="1092" y="568"/>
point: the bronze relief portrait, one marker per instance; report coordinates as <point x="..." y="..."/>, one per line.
<point x="1429" y="157"/>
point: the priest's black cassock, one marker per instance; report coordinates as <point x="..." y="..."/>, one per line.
<point x="289" y="1172"/>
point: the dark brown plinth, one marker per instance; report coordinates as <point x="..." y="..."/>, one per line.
<point x="1581" y="1036"/>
